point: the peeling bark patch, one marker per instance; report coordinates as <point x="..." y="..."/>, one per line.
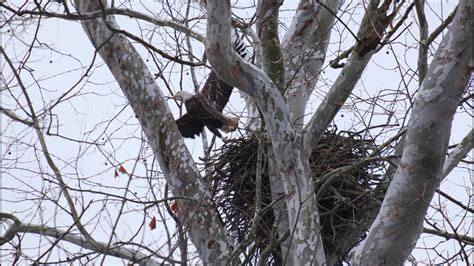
<point x="211" y="244"/>
<point x="305" y="25"/>
<point x="431" y="124"/>
<point x="157" y="101"/>
<point x="215" y="49"/>
<point x="162" y="141"/>
<point x="234" y="73"/>
<point x="394" y="213"/>
<point x="431" y="94"/>
<point x="381" y="260"/>
<point x="389" y="232"/>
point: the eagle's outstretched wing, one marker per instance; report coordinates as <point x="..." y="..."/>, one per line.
<point x="216" y="90"/>
<point x="205" y="108"/>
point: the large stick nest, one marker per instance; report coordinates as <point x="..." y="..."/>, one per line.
<point x="342" y="205"/>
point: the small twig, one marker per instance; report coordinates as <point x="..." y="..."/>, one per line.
<point x="453" y="200"/>
<point x="340" y="20"/>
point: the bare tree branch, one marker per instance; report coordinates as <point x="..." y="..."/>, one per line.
<point x="14" y="117"/>
<point x="462" y="238"/>
<point x="304" y="49"/>
<point x="110" y="11"/>
<point x="100" y="247"/>
<point x="460" y="152"/>
<point x="441" y="28"/>
<point x="423" y="48"/>
<point x="267" y="30"/>
<point x="373" y="24"/>
<point x="453" y="200"/>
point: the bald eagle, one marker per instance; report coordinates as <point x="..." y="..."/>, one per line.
<point x="205" y="107"/>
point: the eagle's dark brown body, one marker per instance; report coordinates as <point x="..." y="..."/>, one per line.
<point x="205" y="107"/>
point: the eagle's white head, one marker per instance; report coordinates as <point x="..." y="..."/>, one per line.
<point x="182" y="96"/>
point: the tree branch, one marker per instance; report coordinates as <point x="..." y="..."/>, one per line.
<point x="124" y="12"/>
<point x="267" y="30"/>
<point x="461" y="238"/>
<point x="460" y="152"/>
<point x="423" y="48"/>
<point x="14" y="117"/>
<point x="304" y="49"/>
<point x="374" y="19"/>
<point x="453" y="200"/>
<point x="243" y="75"/>
<point x="110" y="11"/>
<point x="441" y="28"/>
<point x="100" y="247"/>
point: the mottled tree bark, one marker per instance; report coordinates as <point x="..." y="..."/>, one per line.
<point x="304" y="49"/>
<point x="399" y="223"/>
<point x="301" y="203"/>
<point x="151" y="110"/>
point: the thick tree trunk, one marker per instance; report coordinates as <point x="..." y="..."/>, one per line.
<point x="399" y="223"/>
<point x="303" y="215"/>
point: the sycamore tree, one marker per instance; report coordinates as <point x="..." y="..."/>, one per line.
<point x="94" y="168"/>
